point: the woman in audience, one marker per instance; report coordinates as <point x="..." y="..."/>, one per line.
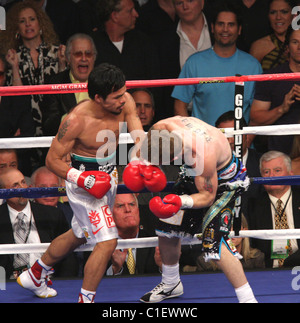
<point x="270" y="50"/>
<point x="32" y="50"/>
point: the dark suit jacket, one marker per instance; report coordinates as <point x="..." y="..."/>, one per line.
<point x="64" y="15"/>
<point x="50" y="223"/>
<point x="260" y="218"/>
<point x="145" y="263"/>
<point x="139" y="58"/>
<point x="54" y="106"/>
<point x="15" y="112"/>
<point x="254" y="190"/>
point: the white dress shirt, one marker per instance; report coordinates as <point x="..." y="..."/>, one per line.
<point x="287" y="203"/>
<point x="187" y="48"/>
<point x="33" y="236"/>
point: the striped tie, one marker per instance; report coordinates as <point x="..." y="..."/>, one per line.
<point x="130" y="262"/>
<point x="21" y="235"/>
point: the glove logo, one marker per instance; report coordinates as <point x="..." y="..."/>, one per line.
<point x="89" y="182"/>
<point x="95" y="220"/>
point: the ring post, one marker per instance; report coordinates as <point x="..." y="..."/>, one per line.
<point x="238" y="146"/>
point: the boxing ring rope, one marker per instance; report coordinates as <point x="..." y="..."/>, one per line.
<point x="45" y="142"/>
<point x="82" y="87"/>
<point x="152" y="241"/>
<point x="125" y="138"/>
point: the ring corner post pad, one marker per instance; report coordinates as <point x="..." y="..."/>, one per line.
<point x="238" y="143"/>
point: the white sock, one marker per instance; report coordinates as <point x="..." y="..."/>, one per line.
<point x="245" y="294"/>
<point x="87" y="295"/>
<point x="44" y="265"/>
<point x="170" y="274"/>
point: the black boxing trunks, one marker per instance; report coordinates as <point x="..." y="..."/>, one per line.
<point x="83" y="163"/>
<point x="214" y="222"/>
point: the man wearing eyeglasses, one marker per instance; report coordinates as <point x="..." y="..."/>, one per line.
<point x="80" y="54"/>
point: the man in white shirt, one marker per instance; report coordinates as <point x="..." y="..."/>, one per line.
<point x="192" y="28"/>
<point x="39" y="224"/>
<point x="191" y="35"/>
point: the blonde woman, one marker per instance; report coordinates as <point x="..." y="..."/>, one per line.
<point x="32" y="50"/>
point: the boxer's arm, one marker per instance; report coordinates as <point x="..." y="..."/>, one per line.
<point x="207" y="186"/>
<point x="134" y="125"/>
<point x="62" y="144"/>
<point x="180" y="108"/>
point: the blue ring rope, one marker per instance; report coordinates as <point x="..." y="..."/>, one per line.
<point x="36" y="192"/>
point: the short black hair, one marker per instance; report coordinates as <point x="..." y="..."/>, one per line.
<point x="227" y="6"/>
<point x="104" y="80"/>
<point x="104" y="9"/>
<point x="229" y="116"/>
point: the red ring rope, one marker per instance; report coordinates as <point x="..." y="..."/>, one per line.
<point x="82" y="87"/>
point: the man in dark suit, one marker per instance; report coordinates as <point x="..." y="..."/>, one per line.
<point x="43" y="224"/>
<point x="127" y="218"/>
<point x="264" y="214"/>
<point x="80" y="54"/>
<point x="119" y="43"/>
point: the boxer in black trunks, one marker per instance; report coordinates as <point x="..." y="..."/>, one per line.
<point x="203" y="197"/>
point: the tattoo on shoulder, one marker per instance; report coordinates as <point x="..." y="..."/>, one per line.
<point x="208" y="185"/>
<point x="63" y="129"/>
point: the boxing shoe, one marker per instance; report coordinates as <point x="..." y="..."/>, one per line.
<point x="89" y="298"/>
<point x="40" y="287"/>
<point x="161" y="292"/>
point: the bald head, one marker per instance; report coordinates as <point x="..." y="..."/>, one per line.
<point x="43" y="177"/>
<point x="12" y="178"/>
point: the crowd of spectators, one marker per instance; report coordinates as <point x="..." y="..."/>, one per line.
<point x="61" y="41"/>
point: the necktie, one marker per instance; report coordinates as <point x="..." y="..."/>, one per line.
<point x="130" y="262"/>
<point x="280" y="218"/>
<point x="21" y="230"/>
<point x="281" y="223"/>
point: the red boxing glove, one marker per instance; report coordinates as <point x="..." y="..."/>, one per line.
<point x="97" y="183"/>
<point x="167" y="207"/>
<point x="137" y="176"/>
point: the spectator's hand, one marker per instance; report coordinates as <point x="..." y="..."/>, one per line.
<point x="62" y="62"/>
<point x="290" y="98"/>
<point x="12" y="58"/>
<point x="118" y="259"/>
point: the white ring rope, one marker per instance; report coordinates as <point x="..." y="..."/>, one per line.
<point x="125" y="138"/>
<point x="153" y="241"/>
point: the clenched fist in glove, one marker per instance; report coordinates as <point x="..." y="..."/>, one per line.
<point x="97" y="183"/>
<point x="170" y="205"/>
<point x="137" y="176"/>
